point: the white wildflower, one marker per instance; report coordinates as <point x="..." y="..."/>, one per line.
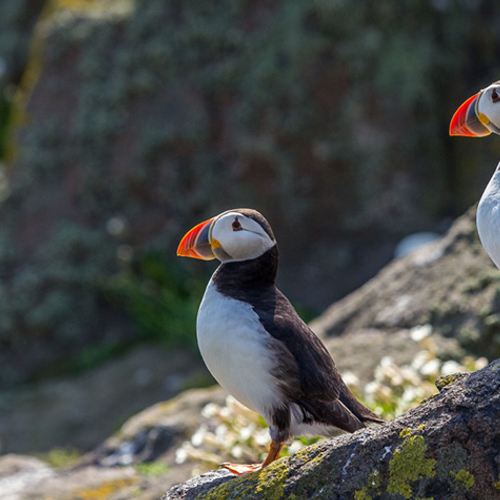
<point x="420" y="359"/>
<point x="198" y="437"/>
<point x="221" y="432"/>
<point x="237" y="451"/>
<point x="418" y="333"/>
<point x="350" y="379"/>
<point x="450" y="367"/>
<point x="480" y="363"/>
<point x="431" y="368"/>
<point x="262" y="437"/>
<point x="247" y="431"/>
<point x="181" y="454"/>
<point x="210" y="410"/>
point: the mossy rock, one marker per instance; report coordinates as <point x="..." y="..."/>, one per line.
<point x="447" y="287"/>
<point x="444" y="449"/>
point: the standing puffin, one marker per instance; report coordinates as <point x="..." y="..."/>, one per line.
<point x="255" y="344"/>
<point x="476" y="117"/>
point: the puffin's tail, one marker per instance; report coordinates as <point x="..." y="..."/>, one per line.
<point x="330" y="413"/>
<point x="358" y="409"/>
<point x="345" y="412"/>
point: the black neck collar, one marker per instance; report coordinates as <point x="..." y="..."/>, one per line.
<point x="232" y="278"/>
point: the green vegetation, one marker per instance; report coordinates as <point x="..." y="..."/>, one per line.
<point x="152" y="468"/>
<point x="163" y="302"/>
<point x="158" y="111"/>
<point x="62" y="457"/>
<point x="67" y="282"/>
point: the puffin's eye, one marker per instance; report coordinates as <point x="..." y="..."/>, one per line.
<point x="494" y="96"/>
<point x="236" y="225"/>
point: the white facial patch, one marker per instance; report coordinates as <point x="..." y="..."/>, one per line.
<point x="241" y="237"/>
<point x="488" y="109"/>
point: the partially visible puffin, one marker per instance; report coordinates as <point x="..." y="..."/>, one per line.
<point x="255" y="344"/>
<point x="476" y="117"/>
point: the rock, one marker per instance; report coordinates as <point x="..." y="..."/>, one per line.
<point x="83" y="410"/>
<point x="361" y="351"/>
<point x="31" y="479"/>
<point x="444" y="449"/>
<point x="18" y="473"/>
<point x="200" y="484"/>
<point x="138" y="462"/>
<point x="413" y="241"/>
<point x="16" y="25"/>
<point x="155" y="433"/>
<point x="450" y="286"/>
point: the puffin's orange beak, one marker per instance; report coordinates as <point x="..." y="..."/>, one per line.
<point x="196" y="242"/>
<point x="466" y="121"/>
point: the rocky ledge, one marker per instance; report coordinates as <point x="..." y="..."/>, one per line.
<point x="447" y="448"/>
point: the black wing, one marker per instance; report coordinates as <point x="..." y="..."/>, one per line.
<point x="303" y="353"/>
<point x="308" y="373"/>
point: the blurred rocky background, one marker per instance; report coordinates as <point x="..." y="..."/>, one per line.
<point x="124" y="123"/>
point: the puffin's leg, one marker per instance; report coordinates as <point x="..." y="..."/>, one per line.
<point x="273" y="454"/>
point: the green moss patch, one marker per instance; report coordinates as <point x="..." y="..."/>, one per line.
<point x="497" y="484"/>
<point x="362" y="494"/>
<point x="465" y="477"/>
<point x="408" y="464"/>
<point x="268" y="483"/>
<point x="446" y="380"/>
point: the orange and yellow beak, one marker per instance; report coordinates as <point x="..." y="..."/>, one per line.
<point x="467" y="121"/>
<point x="196" y="243"/>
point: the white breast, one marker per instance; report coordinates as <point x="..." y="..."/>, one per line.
<point x="488" y="218"/>
<point x="235" y="348"/>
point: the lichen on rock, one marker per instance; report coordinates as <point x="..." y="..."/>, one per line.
<point x="465" y="477"/>
<point x="444" y="449"/>
<point x="409" y="463"/>
<point x="266" y="484"/>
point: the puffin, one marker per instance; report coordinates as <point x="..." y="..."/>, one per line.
<point x="479" y="116"/>
<point x="255" y="344"/>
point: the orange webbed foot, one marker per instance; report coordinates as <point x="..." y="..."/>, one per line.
<point x="240" y="469"/>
